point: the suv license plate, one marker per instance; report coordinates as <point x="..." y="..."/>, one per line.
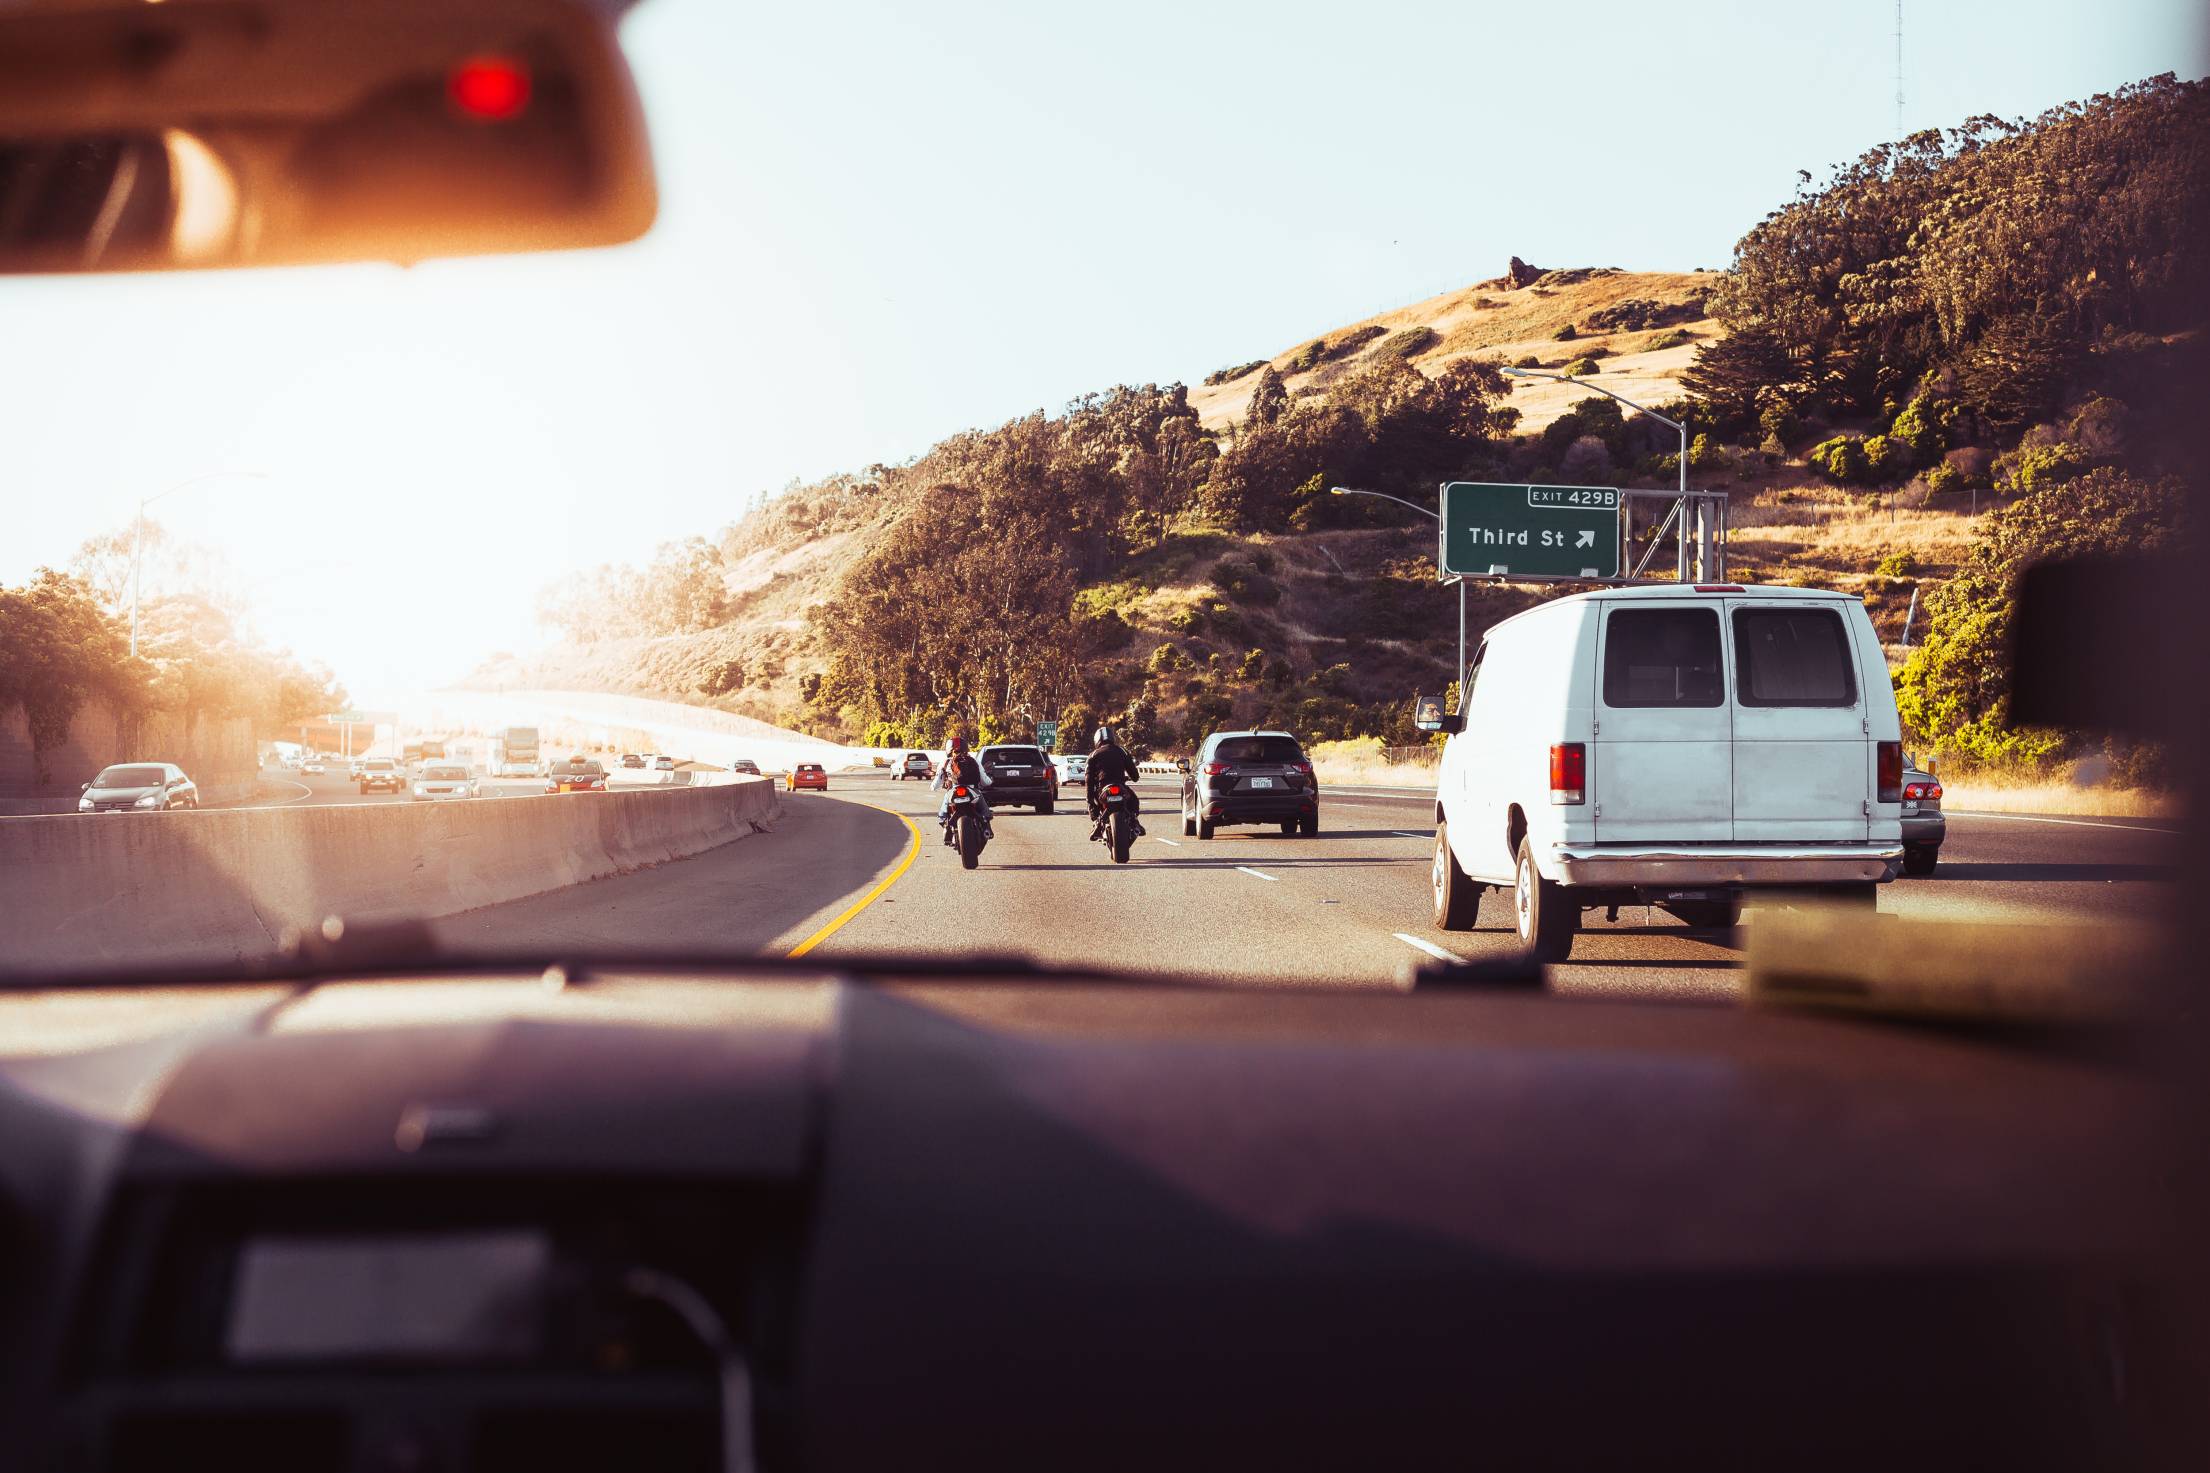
<point x="1262" y="782"/>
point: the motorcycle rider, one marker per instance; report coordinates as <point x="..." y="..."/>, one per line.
<point x="959" y="768"/>
<point x="1110" y="763"/>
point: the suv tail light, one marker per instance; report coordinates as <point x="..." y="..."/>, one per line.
<point x="1925" y="792"/>
<point x="1303" y="767"/>
<point x="1891" y="772"/>
<point x="1568" y="772"/>
<point x="1214" y="769"/>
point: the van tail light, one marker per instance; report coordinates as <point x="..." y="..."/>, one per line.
<point x="1891" y="772"/>
<point x="1568" y="772"/>
<point x="1214" y="769"/>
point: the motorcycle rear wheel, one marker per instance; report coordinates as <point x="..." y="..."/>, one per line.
<point x="970" y="840"/>
<point x="1123" y="836"/>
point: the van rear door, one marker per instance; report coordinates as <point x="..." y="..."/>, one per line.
<point x="1803" y="758"/>
<point x="1662" y="766"/>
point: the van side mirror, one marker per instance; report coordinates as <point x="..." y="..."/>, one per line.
<point x="1428" y="715"/>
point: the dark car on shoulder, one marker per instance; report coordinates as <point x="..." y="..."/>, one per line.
<point x="1924" y="828"/>
<point x="1019" y="776"/>
<point x="1250" y="777"/>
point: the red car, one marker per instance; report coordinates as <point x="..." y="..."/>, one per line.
<point x="577" y="775"/>
<point x="809" y="775"/>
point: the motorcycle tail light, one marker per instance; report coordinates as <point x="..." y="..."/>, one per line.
<point x="959" y="792"/>
<point x="1113" y="791"/>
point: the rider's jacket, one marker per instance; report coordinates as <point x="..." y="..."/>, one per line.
<point x="1110" y="764"/>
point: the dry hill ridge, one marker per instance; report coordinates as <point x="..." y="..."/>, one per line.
<point x="1642" y="328"/>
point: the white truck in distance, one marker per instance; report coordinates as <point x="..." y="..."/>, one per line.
<point x="1671" y="746"/>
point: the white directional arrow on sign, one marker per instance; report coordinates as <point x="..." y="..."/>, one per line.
<point x="1586" y="539"/>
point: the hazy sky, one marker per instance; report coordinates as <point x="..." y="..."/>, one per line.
<point x="885" y="222"/>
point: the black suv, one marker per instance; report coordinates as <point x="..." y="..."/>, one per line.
<point x="1018" y="775"/>
<point x="1249" y="777"/>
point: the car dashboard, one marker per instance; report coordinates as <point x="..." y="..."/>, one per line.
<point x="793" y="1220"/>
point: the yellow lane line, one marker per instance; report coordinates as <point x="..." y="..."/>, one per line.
<point x="865" y="900"/>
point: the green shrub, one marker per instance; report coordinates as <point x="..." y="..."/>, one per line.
<point x="1779" y="422"/>
<point x="1310" y="356"/>
<point x="1356" y="338"/>
<point x="1919" y="430"/>
<point x="2033" y="467"/>
<point x="1566" y="334"/>
<point x="1230" y="375"/>
<point x="1527" y="360"/>
<point x="1671" y="338"/>
<point x="1886" y="459"/>
<point x="1842" y="459"/>
<point x="2099" y="427"/>
<point x="1894" y="565"/>
<point x="1245" y="584"/>
<point x="1580" y="368"/>
<point x="1410" y="342"/>
<point x="1944" y="479"/>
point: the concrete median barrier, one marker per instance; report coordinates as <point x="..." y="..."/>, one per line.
<point x="232" y="884"/>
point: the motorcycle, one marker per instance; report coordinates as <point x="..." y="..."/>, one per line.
<point x="1117" y="830"/>
<point x="963" y="828"/>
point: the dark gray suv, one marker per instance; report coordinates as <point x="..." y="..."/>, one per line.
<point x="1018" y="775"/>
<point x="1250" y="777"/>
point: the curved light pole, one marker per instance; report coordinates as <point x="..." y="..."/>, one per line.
<point x="1622" y="398"/>
<point x="138" y="535"/>
<point x="1437" y="518"/>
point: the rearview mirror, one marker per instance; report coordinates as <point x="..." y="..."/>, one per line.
<point x="224" y="133"/>
<point x="1428" y="715"/>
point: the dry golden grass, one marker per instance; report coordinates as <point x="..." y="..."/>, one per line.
<point x="1495" y="322"/>
<point x="1993" y="795"/>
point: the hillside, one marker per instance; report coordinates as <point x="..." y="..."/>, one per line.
<point x="1515" y="318"/>
<point x="1907" y="380"/>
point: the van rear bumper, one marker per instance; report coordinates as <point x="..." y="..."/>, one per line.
<point x="1723" y="864"/>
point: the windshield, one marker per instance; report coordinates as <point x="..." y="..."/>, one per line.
<point x="1005" y="384"/>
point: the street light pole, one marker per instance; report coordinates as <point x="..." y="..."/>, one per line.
<point x="138" y="537"/>
<point x="1678" y="427"/>
<point x="1437" y="518"/>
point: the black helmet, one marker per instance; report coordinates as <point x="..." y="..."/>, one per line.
<point x="1103" y="737"/>
<point x="958" y="744"/>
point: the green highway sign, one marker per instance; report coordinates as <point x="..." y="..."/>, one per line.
<point x="1047" y="733"/>
<point x="1528" y="531"/>
<point x="343" y="718"/>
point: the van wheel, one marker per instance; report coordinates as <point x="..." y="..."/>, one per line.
<point x="1457" y="899"/>
<point x="1920" y="859"/>
<point x="1189" y="824"/>
<point x="1708" y="915"/>
<point x="1544" y="915"/>
<point x="1204" y="828"/>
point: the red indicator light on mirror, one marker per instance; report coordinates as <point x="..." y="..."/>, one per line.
<point x="491" y="89"/>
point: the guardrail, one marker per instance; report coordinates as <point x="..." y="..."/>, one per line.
<point x="222" y="885"/>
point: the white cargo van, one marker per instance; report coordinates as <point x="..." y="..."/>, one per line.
<point x="1673" y="746"/>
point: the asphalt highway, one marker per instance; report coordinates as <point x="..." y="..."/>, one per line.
<point x="860" y="871"/>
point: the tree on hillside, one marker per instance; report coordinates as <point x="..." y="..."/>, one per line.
<point x="1268" y="398"/>
<point x="59" y="649"/>
<point x="1958" y="249"/>
<point x="1954" y="692"/>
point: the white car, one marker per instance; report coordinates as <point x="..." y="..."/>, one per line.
<point x="313" y="765"/>
<point x="442" y="780"/>
<point x="663" y="763"/>
<point x="1074" y="769"/>
<point x="1700" y="742"/>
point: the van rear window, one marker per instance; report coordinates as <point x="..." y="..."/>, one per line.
<point x="1662" y="657"/>
<point x="1792" y="657"/>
